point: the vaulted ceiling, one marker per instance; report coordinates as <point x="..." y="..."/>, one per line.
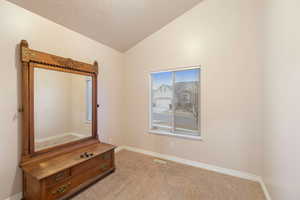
<point x="119" y="24"/>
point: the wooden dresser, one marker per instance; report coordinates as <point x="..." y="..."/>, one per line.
<point x="61" y="150"/>
<point x="63" y="176"/>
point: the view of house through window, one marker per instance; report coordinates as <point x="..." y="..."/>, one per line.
<point x="175" y="97"/>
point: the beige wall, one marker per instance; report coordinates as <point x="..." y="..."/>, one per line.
<point x="16" y="24"/>
<point x="282" y="97"/>
<point x="78" y="114"/>
<point x="60" y="104"/>
<point x="222" y="37"/>
<point x="241" y="71"/>
<point x="52" y="106"/>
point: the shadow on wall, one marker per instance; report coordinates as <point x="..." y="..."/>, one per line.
<point x="17" y="118"/>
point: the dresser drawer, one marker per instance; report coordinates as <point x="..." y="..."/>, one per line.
<point x="100" y="162"/>
<point x="83" y="167"/>
<point x="58" y="177"/>
<point x="59" y="190"/>
<point x="62" y="176"/>
<point x="91" y="173"/>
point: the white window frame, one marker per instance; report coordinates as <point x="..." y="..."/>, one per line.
<point x="177" y="134"/>
<point x="89" y="98"/>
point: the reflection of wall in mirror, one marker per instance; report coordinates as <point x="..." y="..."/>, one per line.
<point x="79" y="111"/>
<point x="60" y="104"/>
<point x="51" y="103"/>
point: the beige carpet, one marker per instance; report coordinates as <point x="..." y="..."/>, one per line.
<point x="138" y="177"/>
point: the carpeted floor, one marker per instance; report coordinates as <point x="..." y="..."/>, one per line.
<point x="138" y="177"/>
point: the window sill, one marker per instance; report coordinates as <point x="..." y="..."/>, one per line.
<point x="159" y="132"/>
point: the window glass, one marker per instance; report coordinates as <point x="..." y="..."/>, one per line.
<point x="175" y="105"/>
<point x="186" y="87"/>
<point x="89" y="95"/>
<point x="161" y="107"/>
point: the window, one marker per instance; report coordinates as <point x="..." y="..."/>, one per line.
<point x="89" y="104"/>
<point x="175" y="103"/>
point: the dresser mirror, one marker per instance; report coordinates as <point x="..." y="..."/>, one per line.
<point x="61" y="152"/>
<point x="59" y="98"/>
<point x="62" y="108"/>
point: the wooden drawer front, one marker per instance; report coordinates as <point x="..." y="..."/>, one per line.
<point x="93" y="163"/>
<point x="90" y="174"/>
<point x="100" y="162"/>
<point x="59" y="190"/>
<point x="58" y="177"/>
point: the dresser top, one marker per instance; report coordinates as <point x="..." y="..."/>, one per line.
<point x="45" y="168"/>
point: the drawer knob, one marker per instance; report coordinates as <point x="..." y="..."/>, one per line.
<point x="61" y="189"/>
<point x="59" y="177"/>
<point x="86" y="155"/>
<point x="106" y="156"/>
<point x="104" y="166"/>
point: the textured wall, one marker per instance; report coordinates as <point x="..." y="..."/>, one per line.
<point x="44" y="35"/>
<point x="282" y="97"/>
<point x="222" y="36"/>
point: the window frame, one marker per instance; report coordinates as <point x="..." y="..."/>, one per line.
<point x="172" y="132"/>
<point x="89" y="98"/>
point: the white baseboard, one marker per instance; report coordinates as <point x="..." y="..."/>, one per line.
<point x="17" y="196"/>
<point x="264" y="188"/>
<point x="221" y="170"/>
<point x="119" y="148"/>
<point x="231" y="172"/>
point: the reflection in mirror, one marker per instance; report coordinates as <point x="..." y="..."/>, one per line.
<point x="62" y="108"/>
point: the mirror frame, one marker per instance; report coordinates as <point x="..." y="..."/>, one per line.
<point x="34" y="59"/>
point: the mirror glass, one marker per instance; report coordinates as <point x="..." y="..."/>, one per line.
<point x="62" y="108"/>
